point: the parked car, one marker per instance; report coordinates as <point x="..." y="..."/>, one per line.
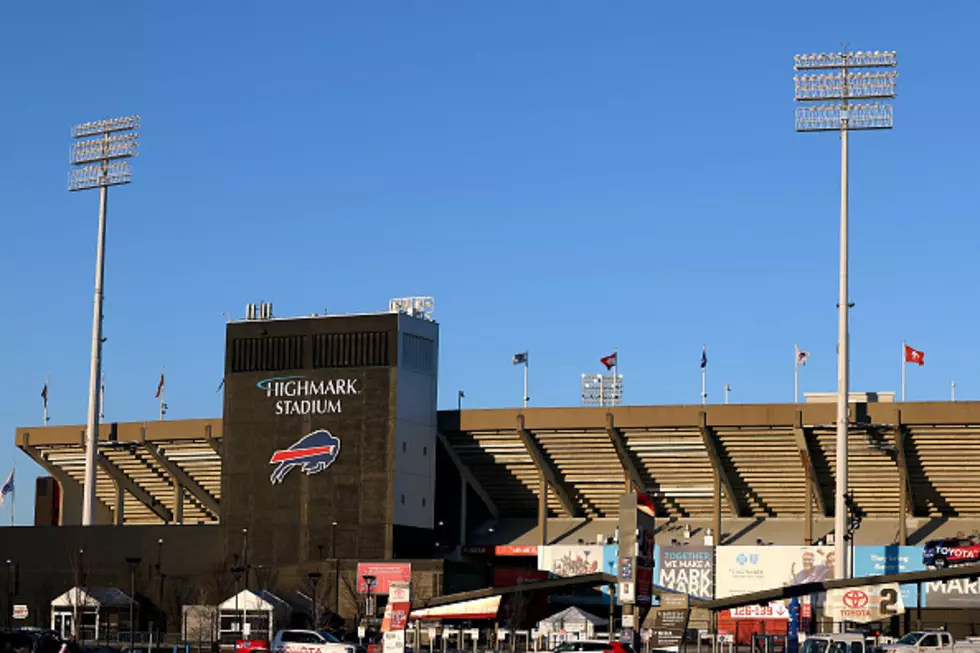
<point x="932" y="641"/>
<point x="950" y="551"/>
<point x="311" y="641"/>
<point x="837" y="643"/>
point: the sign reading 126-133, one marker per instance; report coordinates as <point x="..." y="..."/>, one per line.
<point x="297" y="395"/>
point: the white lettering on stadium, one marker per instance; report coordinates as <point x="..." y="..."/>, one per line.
<point x="297" y="395"/>
<point x="307" y="407"/>
<point x="306" y="388"/>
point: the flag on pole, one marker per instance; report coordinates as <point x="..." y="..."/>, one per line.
<point x="160" y="386"/>
<point x="610" y="361"/>
<point x="520" y="359"/>
<point x="704" y="356"/>
<point x="914" y="356"/>
<point x="8" y="487"/>
<point x="801" y="356"/>
<point x="44" y="394"/>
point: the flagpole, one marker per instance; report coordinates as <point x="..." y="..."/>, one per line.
<point x="796" y="376"/>
<point x="615" y="385"/>
<point x="102" y="398"/>
<point x="163" y="389"/>
<point x="47" y="389"/>
<point x="704" y="377"/>
<point x="903" y="370"/>
<point x="527" y="361"/>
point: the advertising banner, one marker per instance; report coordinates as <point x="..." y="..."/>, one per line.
<point x="395" y="617"/>
<point x="383" y="573"/>
<point x="568" y="561"/>
<point x="961" y="593"/>
<point x="865" y="604"/>
<point x="516" y="550"/>
<point x="744" y="569"/>
<point x="686" y="569"/>
<point x="885" y="560"/>
<point x="399" y="592"/>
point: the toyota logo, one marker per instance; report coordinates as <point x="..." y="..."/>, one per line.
<point x="855" y="599"/>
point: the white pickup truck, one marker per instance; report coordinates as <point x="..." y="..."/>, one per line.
<point x="310" y="641"/>
<point x="932" y="641"/>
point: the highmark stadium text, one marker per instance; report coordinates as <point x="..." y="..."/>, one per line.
<point x="305" y="390"/>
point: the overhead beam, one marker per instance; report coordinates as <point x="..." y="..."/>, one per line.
<point x="182" y="478"/>
<point x="467" y="475"/>
<point x="630" y="470"/>
<point x="547" y="469"/>
<point x="809" y="469"/>
<point x="212" y="442"/>
<point x="70" y="509"/>
<point x="141" y="495"/>
<point x="712" y="446"/>
<point x="765" y="597"/>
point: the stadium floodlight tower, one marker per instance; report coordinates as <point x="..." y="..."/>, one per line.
<point x="844" y="91"/>
<point x="100" y="156"/>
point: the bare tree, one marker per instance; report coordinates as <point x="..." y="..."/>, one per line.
<point x="359" y="601"/>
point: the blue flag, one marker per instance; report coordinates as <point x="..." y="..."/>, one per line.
<point x="704" y="357"/>
<point x="8" y="487"/>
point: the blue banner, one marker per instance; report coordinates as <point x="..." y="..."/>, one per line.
<point x="892" y="559"/>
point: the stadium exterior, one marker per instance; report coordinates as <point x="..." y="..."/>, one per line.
<point x="331" y="452"/>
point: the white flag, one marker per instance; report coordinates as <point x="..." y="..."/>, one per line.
<point x="801" y="356"/>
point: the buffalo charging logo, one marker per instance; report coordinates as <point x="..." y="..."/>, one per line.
<point x="313" y="453"/>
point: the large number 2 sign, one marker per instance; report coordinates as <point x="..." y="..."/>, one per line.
<point x="889" y="598"/>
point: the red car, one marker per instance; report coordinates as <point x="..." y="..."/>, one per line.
<point x="593" y="646"/>
<point x="950" y="551"/>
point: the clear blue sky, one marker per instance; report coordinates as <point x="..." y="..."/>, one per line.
<point x="564" y="177"/>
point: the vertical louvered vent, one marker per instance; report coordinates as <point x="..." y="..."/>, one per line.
<point x="267" y="354"/>
<point x="364" y="349"/>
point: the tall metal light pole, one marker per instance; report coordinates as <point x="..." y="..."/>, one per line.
<point x="101" y="156"/>
<point x="829" y="84"/>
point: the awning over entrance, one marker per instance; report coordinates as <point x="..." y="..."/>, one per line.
<point x="485" y="608"/>
<point x="253" y="601"/>
<point x="96" y="598"/>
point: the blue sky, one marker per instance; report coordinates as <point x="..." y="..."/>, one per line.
<point x="563" y="177"/>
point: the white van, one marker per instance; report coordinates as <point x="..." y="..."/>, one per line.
<point x="836" y="643"/>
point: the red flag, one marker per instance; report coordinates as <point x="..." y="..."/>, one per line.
<point x="609" y="361"/>
<point x="160" y="386"/>
<point x="914" y="356"/>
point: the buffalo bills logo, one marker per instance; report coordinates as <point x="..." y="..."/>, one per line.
<point x="314" y="453"/>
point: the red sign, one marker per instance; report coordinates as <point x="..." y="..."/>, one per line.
<point x="502" y="550"/>
<point x="514" y="550"/>
<point x="396" y="617"/>
<point x="772" y="611"/>
<point x="855" y="599"/>
<point x="383" y="573"/>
